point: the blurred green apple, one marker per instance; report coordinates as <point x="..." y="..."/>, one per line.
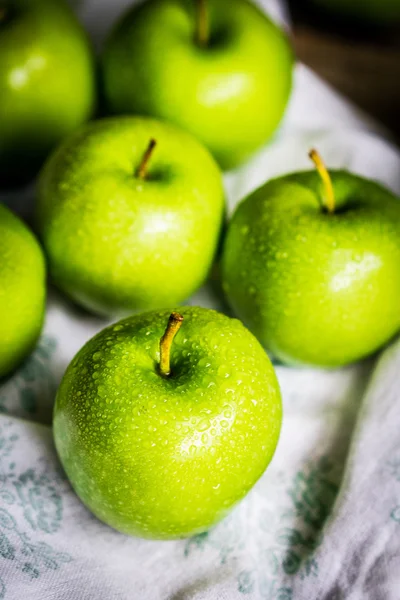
<point x="223" y="72"/>
<point x="47" y="84"/>
<point x="130" y="211"/>
<point x="161" y="438"/>
<point x="22" y="290"/>
<point x="311" y="264"/>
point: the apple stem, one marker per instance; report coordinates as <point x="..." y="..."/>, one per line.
<point x="202" y="31"/>
<point x="142" y="169"/>
<point x="3" y="13"/>
<point x="174" y="324"/>
<point x="329" y="200"/>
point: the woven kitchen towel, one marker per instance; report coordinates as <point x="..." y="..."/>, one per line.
<point x="322" y="523"/>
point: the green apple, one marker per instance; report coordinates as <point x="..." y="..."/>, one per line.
<point x="378" y="11"/>
<point x="47" y="84"/>
<point x="22" y="290"/>
<point x="160" y="435"/>
<point x="311" y="263"/>
<point x="222" y="73"/>
<point x="127" y="228"/>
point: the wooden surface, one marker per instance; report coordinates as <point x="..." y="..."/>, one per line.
<point x="363" y="63"/>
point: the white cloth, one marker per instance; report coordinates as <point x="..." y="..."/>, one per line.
<point x="322" y="523"/>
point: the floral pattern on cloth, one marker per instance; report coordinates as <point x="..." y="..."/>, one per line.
<point x="30" y="501"/>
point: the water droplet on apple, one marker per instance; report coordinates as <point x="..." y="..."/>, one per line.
<point x="203" y="425"/>
<point x="223" y="372"/>
<point x="252" y="290"/>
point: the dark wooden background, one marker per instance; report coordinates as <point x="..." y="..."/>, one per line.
<point x="362" y="61"/>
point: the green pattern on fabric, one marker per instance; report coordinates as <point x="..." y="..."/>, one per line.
<point x="36" y="493"/>
<point x="296" y="533"/>
<point x="30" y="391"/>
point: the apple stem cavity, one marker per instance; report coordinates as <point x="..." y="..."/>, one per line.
<point x="202" y="23"/>
<point x="328" y="202"/>
<point x="142" y="169"/>
<point x="174" y="324"/>
<point x="3" y="13"/>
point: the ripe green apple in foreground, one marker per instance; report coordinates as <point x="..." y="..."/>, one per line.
<point x="221" y="72"/>
<point x="47" y="85"/>
<point x="162" y="433"/>
<point x="377" y="11"/>
<point x="22" y="290"/>
<point x="311" y="264"/>
<point x="130" y="211"/>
